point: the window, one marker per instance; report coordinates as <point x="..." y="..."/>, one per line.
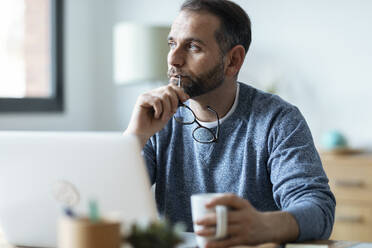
<point x="31" y="55"/>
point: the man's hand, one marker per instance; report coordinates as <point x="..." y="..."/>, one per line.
<point x="247" y="226"/>
<point x="153" y="110"/>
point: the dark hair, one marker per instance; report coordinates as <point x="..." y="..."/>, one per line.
<point x="235" y="27"/>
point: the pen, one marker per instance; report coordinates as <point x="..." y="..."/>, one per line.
<point x="179" y="85"/>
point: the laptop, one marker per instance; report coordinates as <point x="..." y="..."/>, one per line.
<point x="41" y="173"/>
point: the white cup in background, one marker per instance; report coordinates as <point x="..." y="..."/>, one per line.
<point x="199" y="210"/>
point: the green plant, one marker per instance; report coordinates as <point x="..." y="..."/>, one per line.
<point x="159" y="234"/>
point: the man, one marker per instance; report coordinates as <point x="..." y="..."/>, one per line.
<point x="229" y="137"/>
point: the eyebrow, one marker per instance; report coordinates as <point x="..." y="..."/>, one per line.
<point x="190" y="39"/>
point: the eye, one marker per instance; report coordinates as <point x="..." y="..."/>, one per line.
<point x="194" y="47"/>
<point x="171" y="44"/>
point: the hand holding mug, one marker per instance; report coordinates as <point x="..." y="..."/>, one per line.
<point x="218" y="230"/>
<point x="244" y="224"/>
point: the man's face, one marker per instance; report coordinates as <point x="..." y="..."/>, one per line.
<point x="194" y="53"/>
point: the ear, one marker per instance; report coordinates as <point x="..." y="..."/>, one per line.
<point x="234" y="60"/>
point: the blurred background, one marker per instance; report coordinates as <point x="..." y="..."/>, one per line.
<point x="315" y="54"/>
<point x="80" y="66"/>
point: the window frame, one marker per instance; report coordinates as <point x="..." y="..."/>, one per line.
<point x="53" y="103"/>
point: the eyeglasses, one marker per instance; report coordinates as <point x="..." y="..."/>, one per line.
<point x="201" y="133"/>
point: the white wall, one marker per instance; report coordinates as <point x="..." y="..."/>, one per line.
<point x="317" y="52"/>
<point x="320" y="54"/>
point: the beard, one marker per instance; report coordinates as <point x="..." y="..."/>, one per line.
<point x="203" y="83"/>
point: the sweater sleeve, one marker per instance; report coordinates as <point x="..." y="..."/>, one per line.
<point x="300" y="185"/>
<point x="148" y="153"/>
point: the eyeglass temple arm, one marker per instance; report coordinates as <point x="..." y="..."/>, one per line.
<point x="218" y="121"/>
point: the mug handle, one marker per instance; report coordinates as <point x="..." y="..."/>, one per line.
<point x="221" y="228"/>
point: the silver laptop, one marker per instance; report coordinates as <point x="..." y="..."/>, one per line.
<point x="43" y="172"/>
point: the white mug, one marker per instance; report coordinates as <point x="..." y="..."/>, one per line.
<point x="199" y="210"/>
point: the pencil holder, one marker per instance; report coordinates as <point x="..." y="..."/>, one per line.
<point x="82" y="233"/>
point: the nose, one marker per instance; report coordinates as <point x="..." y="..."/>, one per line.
<point x="176" y="57"/>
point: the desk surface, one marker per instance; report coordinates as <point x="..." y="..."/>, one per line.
<point x="330" y="243"/>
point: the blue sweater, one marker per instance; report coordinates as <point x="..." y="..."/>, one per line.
<point x="265" y="154"/>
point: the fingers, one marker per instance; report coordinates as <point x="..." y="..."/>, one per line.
<point x="158" y="108"/>
<point x="233" y="241"/>
<point x="206" y="231"/>
<point x="163" y="101"/>
<point x="211" y="220"/>
<point x="180" y="93"/>
<point x="211" y="230"/>
<point x="207" y="220"/>
<point x="173" y="97"/>
<point x="209" y="224"/>
<point x="167" y="107"/>
<point x="229" y="200"/>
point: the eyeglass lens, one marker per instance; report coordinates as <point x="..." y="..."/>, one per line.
<point x="184" y="115"/>
<point x="201" y="134"/>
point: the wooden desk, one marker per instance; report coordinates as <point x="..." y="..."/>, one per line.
<point x="330" y="243"/>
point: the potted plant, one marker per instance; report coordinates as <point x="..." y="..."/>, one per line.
<point x="159" y="234"/>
